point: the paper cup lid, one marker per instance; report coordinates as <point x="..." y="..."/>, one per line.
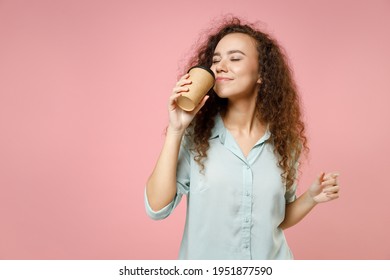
<point x="203" y="67"/>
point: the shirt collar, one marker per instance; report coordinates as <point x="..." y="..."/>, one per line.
<point x="219" y="130"/>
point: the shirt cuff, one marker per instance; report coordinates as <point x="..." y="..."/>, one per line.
<point x="290" y="195"/>
<point x="160" y="214"/>
<point x="291" y="199"/>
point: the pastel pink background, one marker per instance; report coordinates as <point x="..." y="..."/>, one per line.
<point x="83" y="93"/>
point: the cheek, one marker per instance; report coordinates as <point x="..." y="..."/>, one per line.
<point x="223" y="90"/>
<point x="256" y="72"/>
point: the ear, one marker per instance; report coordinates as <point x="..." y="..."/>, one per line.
<point x="258" y="77"/>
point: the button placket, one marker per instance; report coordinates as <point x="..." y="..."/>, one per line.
<point x="247" y="209"/>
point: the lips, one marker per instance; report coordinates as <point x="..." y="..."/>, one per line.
<point x="223" y="79"/>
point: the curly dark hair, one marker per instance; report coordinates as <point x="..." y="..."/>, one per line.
<point x="277" y="102"/>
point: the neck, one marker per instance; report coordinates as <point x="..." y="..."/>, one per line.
<point x="242" y="117"/>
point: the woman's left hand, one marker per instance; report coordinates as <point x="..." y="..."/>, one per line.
<point x="325" y="188"/>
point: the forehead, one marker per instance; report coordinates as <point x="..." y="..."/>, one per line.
<point x="237" y="41"/>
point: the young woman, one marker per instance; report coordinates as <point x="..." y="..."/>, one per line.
<point x="236" y="155"/>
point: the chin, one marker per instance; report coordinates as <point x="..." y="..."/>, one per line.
<point x="222" y="93"/>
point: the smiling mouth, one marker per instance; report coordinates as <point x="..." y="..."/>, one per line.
<point x="223" y="79"/>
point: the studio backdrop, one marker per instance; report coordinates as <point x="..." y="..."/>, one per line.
<point x="84" y="86"/>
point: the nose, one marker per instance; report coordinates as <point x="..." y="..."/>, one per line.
<point x="221" y="66"/>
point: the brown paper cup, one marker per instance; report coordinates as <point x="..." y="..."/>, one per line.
<point x="202" y="81"/>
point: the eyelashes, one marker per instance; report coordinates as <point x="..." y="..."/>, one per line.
<point x="231" y="59"/>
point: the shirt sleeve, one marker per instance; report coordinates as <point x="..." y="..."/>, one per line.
<point x="182" y="185"/>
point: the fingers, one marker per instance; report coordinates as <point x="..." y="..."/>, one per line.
<point x="330" y="190"/>
<point x="331" y="179"/>
<point x="321" y="177"/>
<point x="329" y="182"/>
<point x="332" y="175"/>
<point x="172" y="101"/>
<point x="330" y="186"/>
<point x="333" y="195"/>
<point x="181" y="84"/>
<point x="177" y="91"/>
<point x="184" y="80"/>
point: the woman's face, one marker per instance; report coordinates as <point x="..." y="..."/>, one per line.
<point x="235" y="65"/>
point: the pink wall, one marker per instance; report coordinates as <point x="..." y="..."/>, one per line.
<point x="83" y="91"/>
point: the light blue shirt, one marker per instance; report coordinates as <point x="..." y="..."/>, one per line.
<point x="235" y="206"/>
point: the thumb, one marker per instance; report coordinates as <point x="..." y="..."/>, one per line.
<point x="316" y="186"/>
<point x="320" y="178"/>
<point x="201" y="104"/>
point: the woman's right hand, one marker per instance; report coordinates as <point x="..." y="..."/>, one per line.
<point x="179" y="119"/>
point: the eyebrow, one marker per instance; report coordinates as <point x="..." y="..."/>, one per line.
<point x="229" y="52"/>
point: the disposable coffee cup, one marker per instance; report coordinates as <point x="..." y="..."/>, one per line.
<point x="203" y="80"/>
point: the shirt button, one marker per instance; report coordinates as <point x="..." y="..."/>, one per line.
<point x="247" y="194"/>
<point x="246" y="246"/>
<point x="246" y="219"/>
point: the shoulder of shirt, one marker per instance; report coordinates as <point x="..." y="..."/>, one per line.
<point x="219" y="128"/>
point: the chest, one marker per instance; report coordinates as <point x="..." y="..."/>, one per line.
<point x="246" y="142"/>
<point x="227" y="172"/>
